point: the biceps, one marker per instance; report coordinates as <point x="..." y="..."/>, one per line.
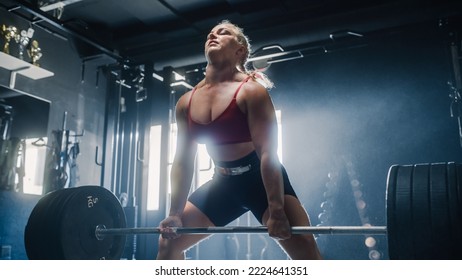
<point x="263" y="128"/>
<point x="185" y="146"/>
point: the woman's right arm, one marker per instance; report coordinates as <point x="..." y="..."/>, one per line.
<point x="183" y="162"/>
<point x="183" y="166"/>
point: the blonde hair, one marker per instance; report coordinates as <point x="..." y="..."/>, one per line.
<point x="242" y="66"/>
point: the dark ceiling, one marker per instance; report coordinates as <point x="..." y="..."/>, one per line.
<point x="172" y="32"/>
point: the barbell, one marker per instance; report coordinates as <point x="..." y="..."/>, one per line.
<point x="101" y="231"/>
<point x="423" y="208"/>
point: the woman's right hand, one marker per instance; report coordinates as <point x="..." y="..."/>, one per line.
<point x="167" y="227"/>
<point x="278" y="226"/>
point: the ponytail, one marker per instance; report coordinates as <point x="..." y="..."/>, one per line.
<point x="261" y="78"/>
<point x="256" y="75"/>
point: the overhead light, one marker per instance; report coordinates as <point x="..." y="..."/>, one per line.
<point x="158" y="77"/>
<point x="182" y="83"/>
<point x="179" y="80"/>
<point x="268" y="55"/>
<point x="178" y="77"/>
<point x="122" y="83"/>
<point x="341" y="34"/>
<point x="58" y="5"/>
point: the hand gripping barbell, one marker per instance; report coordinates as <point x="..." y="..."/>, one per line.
<point x="423" y="207"/>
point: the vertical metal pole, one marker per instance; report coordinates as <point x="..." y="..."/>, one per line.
<point x="116" y="141"/>
<point x="456" y="65"/>
<point x="458" y="87"/>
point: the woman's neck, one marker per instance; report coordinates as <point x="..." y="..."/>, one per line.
<point x="219" y="73"/>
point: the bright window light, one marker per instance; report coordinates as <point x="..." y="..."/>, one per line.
<point x="34" y="166"/>
<point x="154" y="167"/>
<point x="205" y="165"/>
<point x="279" y="121"/>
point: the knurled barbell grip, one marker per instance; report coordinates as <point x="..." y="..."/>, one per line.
<point x="102" y="231"/>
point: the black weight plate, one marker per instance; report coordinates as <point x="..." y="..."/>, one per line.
<point x="39" y="235"/>
<point x="454" y="211"/>
<point x="440" y="243"/>
<point x="420" y="211"/>
<point x="89" y="207"/>
<point x="392" y="234"/>
<point x="427" y="224"/>
<point x="403" y="213"/>
<point x="390" y="209"/>
<point x="458" y="211"/>
<point x="59" y="227"/>
<point x="32" y="230"/>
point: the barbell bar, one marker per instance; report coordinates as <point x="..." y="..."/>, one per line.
<point x="423" y="213"/>
<point x="101" y="231"/>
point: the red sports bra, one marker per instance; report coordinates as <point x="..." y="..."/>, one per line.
<point x="228" y="128"/>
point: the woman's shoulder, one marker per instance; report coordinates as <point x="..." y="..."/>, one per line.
<point x="185" y="97"/>
<point x="253" y="88"/>
<point x="183" y="102"/>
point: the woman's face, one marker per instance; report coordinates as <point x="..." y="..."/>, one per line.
<point x="222" y="39"/>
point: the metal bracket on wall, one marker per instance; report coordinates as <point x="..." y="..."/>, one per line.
<point x="13" y="73"/>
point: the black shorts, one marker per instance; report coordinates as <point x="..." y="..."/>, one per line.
<point x="225" y="198"/>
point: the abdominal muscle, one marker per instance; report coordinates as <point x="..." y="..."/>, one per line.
<point x="230" y="152"/>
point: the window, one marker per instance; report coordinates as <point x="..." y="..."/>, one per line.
<point x="34" y="166"/>
<point x="154" y="168"/>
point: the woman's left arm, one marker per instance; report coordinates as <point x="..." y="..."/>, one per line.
<point x="263" y="129"/>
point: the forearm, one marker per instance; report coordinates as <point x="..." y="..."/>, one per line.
<point x="273" y="182"/>
<point x="277" y="222"/>
<point x="180" y="178"/>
